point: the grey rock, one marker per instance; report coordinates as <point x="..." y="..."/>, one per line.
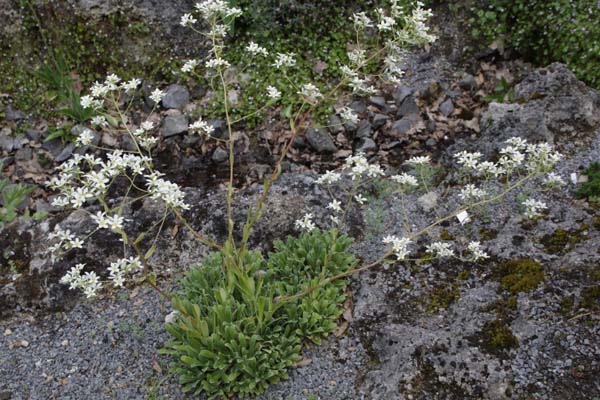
<point x="447" y="107"/>
<point x="8" y="143"/>
<point x="66" y="152"/>
<point x="174" y="125"/>
<point x="364" y="129"/>
<point x="379" y="102"/>
<point x="335" y="124"/>
<point x="320" y="141"/>
<point x="197" y="92"/>
<point x="54" y="147"/>
<point x="358" y="106"/>
<point x="468" y="82"/>
<point x="379" y="120"/>
<point x="402" y="126"/>
<point x="14" y="115"/>
<point x="219" y="128"/>
<point x="6" y="161"/>
<point x="191" y="163"/>
<point x="176" y="96"/>
<point x="33" y="135"/>
<point x="23" y="155"/>
<point x="408" y="108"/>
<point x="220" y="155"/>
<point x="402" y="93"/>
<point x="554" y="107"/>
<point x="127" y="143"/>
<point x="365" y="145"/>
<point x="190" y="141"/>
<point x="299" y="143"/>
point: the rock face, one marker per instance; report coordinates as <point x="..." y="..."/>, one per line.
<point x="552" y="105"/>
<point x="320" y="141"/>
<point x="36" y="284"/>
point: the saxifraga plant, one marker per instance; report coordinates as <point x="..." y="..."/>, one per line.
<point x="237" y="338"/>
<point x="239" y="319"/>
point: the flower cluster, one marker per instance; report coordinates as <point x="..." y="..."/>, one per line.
<point x="306" y="223"/>
<point x="88" y="282"/>
<point x="477" y="253"/>
<point x="359" y="167"/>
<point x="119" y="269"/>
<point x="440" y="249"/>
<point x="534" y="207"/>
<point x="399" y="246"/>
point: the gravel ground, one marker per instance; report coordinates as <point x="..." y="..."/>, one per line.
<point x="107" y="349"/>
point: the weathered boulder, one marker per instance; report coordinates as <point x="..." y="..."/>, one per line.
<point x="551" y="105"/>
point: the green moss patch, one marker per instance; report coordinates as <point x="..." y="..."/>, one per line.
<point x="442" y="297"/>
<point x="590" y="298"/>
<point x="520" y="275"/>
<point x="497" y="337"/>
<point x="560" y="241"/>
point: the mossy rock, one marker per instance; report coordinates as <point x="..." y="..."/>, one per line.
<point x="442" y="297"/>
<point x="560" y="241"/>
<point x="520" y="275"/>
<point x="566" y="305"/>
<point x="591" y="298"/>
<point x="504" y="306"/>
<point x="495" y="337"/>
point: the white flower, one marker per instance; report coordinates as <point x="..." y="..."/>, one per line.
<point x="99" y="121"/>
<point x="216" y="63"/>
<point x="554" y="180"/>
<point x="75" y="243"/>
<point x="166" y="191"/>
<point x="329" y="177"/>
<point x="79" y="196"/>
<point x="115" y="222"/>
<point x="60" y="201"/>
<point x="385" y="23"/>
<point x="111" y="81"/>
<point x="310" y="92"/>
<point x="477" y="252"/>
<point x="348" y="72"/>
<point x="255" y="49"/>
<point x="273" y="93"/>
<point x="157" y="95"/>
<point x="533" y="208"/>
<point x="361" y="21"/>
<point x="440" y="249"/>
<point x="147" y="125"/>
<point x="357" y="56"/>
<point x="189" y="66"/>
<point x="284" y="60"/>
<point x="335" y="205"/>
<point x="471" y="192"/>
<point x="468" y="160"/>
<point x="348" y="115"/>
<point x="131" y="85"/>
<point x="405" y="179"/>
<point x="99" y="90"/>
<point x="201" y="126"/>
<point x="305" y="223"/>
<point x="399" y="246"/>
<point x="360" y="199"/>
<point x="418" y="160"/>
<point x="100" y="219"/>
<point x="85" y="138"/>
<point x="86" y="101"/>
<point x="188" y="20"/>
